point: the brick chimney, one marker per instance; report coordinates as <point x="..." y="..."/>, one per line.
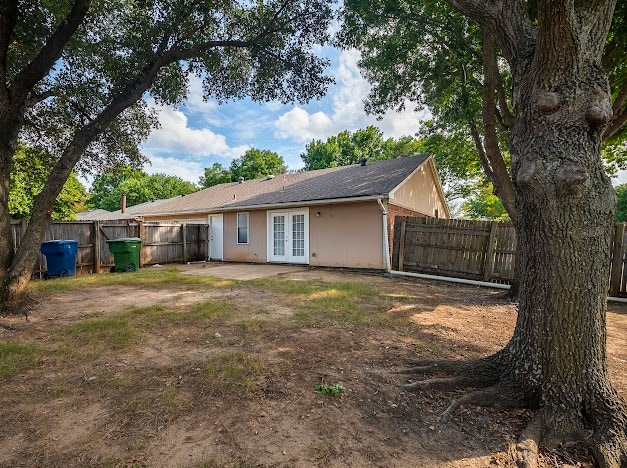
<point x="123" y="203"/>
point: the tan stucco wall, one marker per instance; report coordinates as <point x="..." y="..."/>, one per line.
<point x="255" y="250"/>
<point x="346" y="235"/>
<point x="420" y="193"/>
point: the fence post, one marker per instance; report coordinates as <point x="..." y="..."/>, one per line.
<point x="401" y="246"/>
<point x="617" y="259"/>
<point x="96" y="241"/>
<point x="142" y="244"/>
<point x="488" y="265"/>
<point x="184" y="236"/>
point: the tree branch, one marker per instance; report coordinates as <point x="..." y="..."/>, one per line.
<point x="8" y="18"/>
<point x="507" y="20"/>
<point x="506" y="114"/>
<point x="617" y="122"/>
<point x="501" y="179"/>
<point x="619" y="102"/>
<point x="35" y="99"/>
<point x="485" y="163"/>
<point x="37" y="68"/>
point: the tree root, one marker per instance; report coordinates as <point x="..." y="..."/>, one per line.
<point x="611" y="452"/>
<point x="422" y="367"/>
<point x="527" y="449"/>
<point x="496" y="385"/>
<point x="492" y="396"/>
<point x="445" y="385"/>
<point x="609" y="441"/>
<point x="16" y="307"/>
<point x="480" y="374"/>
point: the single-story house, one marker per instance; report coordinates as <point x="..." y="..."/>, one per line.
<point x="340" y="216"/>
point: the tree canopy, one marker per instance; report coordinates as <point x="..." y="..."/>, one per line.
<point x="107" y="189"/>
<point x="214" y="175"/>
<point x="428" y="54"/>
<point x="29" y="174"/>
<point x="621" y="203"/>
<point x="253" y="164"/>
<point x="256" y="163"/>
<point x="348" y="147"/>
<point x="75" y="76"/>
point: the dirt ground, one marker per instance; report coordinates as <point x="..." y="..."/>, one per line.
<point x="148" y="402"/>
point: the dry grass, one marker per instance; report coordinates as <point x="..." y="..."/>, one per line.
<point x="235" y="374"/>
<point x="213" y="373"/>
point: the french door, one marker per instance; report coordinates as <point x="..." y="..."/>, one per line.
<point x="288" y="236"/>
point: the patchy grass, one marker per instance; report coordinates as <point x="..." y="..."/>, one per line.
<point x="211" y="311"/>
<point x="303" y="288"/>
<point x="15" y="358"/>
<point x="149" y="315"/>
<point x="235" y="373"/>
<point x="146" y="277"/>
<point x="230" y="381"/>
<point x="321" y="303"/>
<point x="110" y="332"/>
<point x="283" y="285"/>
<point x="163" y="317"/>
<point x="251" y="325"/>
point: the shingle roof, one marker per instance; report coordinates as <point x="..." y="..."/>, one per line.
<point x="375" y="178"/>
<point x="131" y="212"/>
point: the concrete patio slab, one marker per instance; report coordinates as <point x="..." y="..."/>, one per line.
<point x="240" y="271"/>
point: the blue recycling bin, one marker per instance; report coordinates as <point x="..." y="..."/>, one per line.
<point x="60" y="257"/>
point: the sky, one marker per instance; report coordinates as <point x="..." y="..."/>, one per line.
<point x="199" y="133"/>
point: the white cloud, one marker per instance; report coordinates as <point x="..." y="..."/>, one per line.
<point x="195" y="101"/>
<point x="301" y="125"/>
<point x="185" y="169"/>
<point x="347" y="110"/>
<point x="238" y="151"/>
<point x="175" y="136"/>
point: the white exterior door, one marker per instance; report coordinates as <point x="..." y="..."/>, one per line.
<point x="288" y="236"/>
<point x="215" y="237"/>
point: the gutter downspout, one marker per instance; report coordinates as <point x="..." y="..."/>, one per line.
<point x="386" y="240"/>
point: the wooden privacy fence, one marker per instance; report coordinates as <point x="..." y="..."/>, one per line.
<point x="478" y="250"/>
<point x="162" y="242"/>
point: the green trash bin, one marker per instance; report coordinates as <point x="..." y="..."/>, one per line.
<point x="126" y="253"/>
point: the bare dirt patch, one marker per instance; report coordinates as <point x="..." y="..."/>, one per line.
<point x="225" y="376"/>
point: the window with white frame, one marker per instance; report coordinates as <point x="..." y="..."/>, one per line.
<point x="242" y="228"/>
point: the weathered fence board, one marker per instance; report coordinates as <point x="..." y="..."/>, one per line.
<point x="481" y="250"/>
<point x="162" y="242"/>
<point x="478" y="250"/>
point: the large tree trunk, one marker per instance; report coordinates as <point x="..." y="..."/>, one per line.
<point x="9" y="129"/>
<point x="13" y="297"/>
<point x="556" y="361"/>
<point x="15" y="277"/>
<point x="566" y="205"/>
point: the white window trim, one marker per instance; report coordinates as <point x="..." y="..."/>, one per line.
<point x="247" y="228"/>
